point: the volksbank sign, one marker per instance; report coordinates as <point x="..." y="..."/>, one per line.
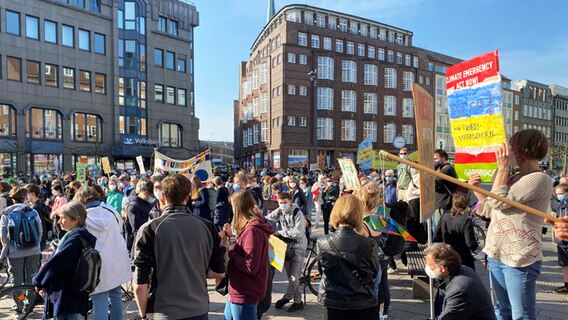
<point x="135" y="140"/>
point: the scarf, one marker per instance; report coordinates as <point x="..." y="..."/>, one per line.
<point x="67" y="235"/>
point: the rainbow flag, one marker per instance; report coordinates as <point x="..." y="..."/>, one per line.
<point x="382" y="222"/>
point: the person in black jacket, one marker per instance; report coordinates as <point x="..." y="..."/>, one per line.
<point x="138" y="208"/>
<point x="456" y="229"/>
<point x="37" y="204"/>
<point x="344" y="295"/>
<point x="444" y="189"/>
<point x="200" y="199"/>
<point x="298" y="196"/>
<point x="223" y="210"/>
<point x="461" y="294"/>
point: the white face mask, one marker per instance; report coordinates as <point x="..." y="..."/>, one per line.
<point x="292" y="185"/>
<point x="303" y="186"/>
<point x="434" y="274"/>
<point x="404" y="156"/>
<point x="254" y="185"/>
<point x="112" y="187"/>
<point x="329" y="184"/>
<point x="158" y="194"/>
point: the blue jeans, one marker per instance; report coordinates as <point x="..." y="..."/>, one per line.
<point x="240" y="311"/>
<point x="100" y="304"/>
<point x="73" y="316"/>
<point x="515" y="289"/>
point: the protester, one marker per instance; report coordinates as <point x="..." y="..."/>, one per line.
<point x="444" y="188"/>
<point x="276" y="189"/>
<point x="298" y="196"/>
<point x="562" y="246"/>
<point x="114" y="196"/>
<point x="256" y="190"/>
<point x="54" y="281"/>
<point x="248" y="264"/>
<point x="5" y="200"/>
<point x="138" y="209"/>
<point x="461" y="293"/>
<point x="23" y="256"/>
<point x="317" y="193"/>
<point x="105" y="224"/>
<point x="513" y="239"/>
<point x="222" y="213"/>
<point x="389" y="186"/>
<point x="330" y="195"/>
<point x="200" y="199"/>
<point x="176" y="251"/>
<point x="72" y="188"/>
<point x="403" y="175"/>
<point x="456" y="229"/>
<point x="37" y="204"/>
<point x="292" y="230"/>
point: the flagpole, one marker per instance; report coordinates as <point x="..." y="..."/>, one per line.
<point x="469" y="186"/>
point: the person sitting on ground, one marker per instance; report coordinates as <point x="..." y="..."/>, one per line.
<point x="461" y="293"/>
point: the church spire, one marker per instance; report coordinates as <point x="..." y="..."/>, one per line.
<point x="270" y="12"/>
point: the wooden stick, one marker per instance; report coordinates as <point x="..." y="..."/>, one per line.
<point x="470" y="187"/>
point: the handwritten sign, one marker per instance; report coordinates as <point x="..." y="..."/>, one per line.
<point x="365" y="154"/>
<point x="276" y="252"/>
<point x="106" y="165"/>
<point x="349" y="174"/>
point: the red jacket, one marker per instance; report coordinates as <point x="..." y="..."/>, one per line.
<point x="248" y="271"/>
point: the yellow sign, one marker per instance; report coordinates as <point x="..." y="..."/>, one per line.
<point x="349" y="173"/>
<point x="481" y="131"/>
<point x="106" y="165"/>
<point x="277" y="252"/>
<point x="424" y="106"/>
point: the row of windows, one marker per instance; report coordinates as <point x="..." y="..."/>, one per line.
<point x="164" y="26"/>
<point x="561" y="105"/>
<point x="559" y="136"/>
<point x="537" y="112"/>
<point x="31" y="71"/>
<point x="560" y="121"/>
<point x="349" y="129"/>
<point x="325" y="101"/>
<point x="546" y="130"/>
<point x="347" y="25"/>
<point x="93" y="5"/>
<point x="170" y="60"/>
<point x="362" y="50"/>
<point x="51" y="33"/>
<point x="170" y="95"/>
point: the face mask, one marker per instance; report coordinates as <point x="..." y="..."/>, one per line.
<point x="388" y="179"/>
<point x="303" y="186"/>
<point x="434" y="274"/>
<point x="104" y="183"/>
<point x="561" y="197"/>
<point x="404" y="156"/>
<point x="112" y="187"/>
<point x="436" y="164"/>
<point x="158" y="194"/>
<point x="151" y="200"/>
<point x="284" y="207"/>
<point x="236" y="187"/>
<point x="329" y="184"/>
<point x="121" y="185"/>
<point x="292" y="185"/>
<point x="254" y="185"/>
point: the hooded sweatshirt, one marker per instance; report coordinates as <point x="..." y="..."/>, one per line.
<point x="248" y="270"/>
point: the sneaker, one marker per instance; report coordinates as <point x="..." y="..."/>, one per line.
<point x="296" y="306"/>
<point x="562" y="290"/>
<point x="391" y="271"/>
<point x="280" y="303"/>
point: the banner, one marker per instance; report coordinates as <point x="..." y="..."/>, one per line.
<point x="106" y="165"/>
<point x="474" y="105"/>
<point x="365" y="154"/>
<point x="424" y="107"/>
<point x="200" y="165"/>
<point x="141" y="164"/>
<point x="349" y="174"/>
<point x="81" y="171"/>
<point x="276" y="252"/>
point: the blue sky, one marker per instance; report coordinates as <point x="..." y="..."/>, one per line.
<point x="532" y="37"/>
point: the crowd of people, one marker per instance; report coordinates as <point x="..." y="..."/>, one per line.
<point x="169" y="233"/>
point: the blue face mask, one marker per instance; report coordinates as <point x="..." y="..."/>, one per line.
<point x="284" y="207"/>
<point x="388" y="179"/>
<point x="152" y="200"/>
<point x="236" y="187"/>
<point x="436" y="164"/>
<point x="561" y="197"/>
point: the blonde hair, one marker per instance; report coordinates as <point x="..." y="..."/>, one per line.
<point x="87" y="194"/>
<point x="371" y="195"/>
<point x="244" y="209"/>
<point x="348" y="210"/>
<point x="197" y="188"/>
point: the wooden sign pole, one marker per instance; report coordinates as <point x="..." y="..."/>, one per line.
<point x="470" y="187"/>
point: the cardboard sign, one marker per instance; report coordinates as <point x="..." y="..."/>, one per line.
<point x="349" y="174"/>
<point x="141" y="164"/>
<point x="106" y="165"/>
<point x="277" y="252"/>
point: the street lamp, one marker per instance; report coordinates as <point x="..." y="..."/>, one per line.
<point x="313" y="76"/>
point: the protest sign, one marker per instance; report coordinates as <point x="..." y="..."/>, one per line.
<point x="141" y="164"/>
<point x="106" y="165"/>
<point x="276" y="252"/>
<point x="365" y="154"/>
<point x="200" y="165"/>
<point x="81" y="171"/>
<point x="349" y="174"/>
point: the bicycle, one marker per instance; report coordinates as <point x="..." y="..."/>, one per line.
<point x="22" y="300"/>
<point x="311" y="274"/>
<point x="4" y="274"/>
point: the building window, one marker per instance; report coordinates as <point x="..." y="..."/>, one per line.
<point x="264" y="131"/>
<point x="324" y="128"/>
<point x="291" y="89"/>
<point x="159" y="93"/>
<point x="421" y="79"/>
<point x="326" y="43"/>
<point x="302" y="39"/>
<point x="391" y="36"/>
<point x="348" y="130"/>
<point x="390" y="78"/>
<point x="399" y="57"/>
<point x="84" y="80"/>
<point x="407" y="59"/>
<point x="517" y="100"/>
<point x="86" y="127"/>
<point x="14" y="68"/>
<point x="408" y="133"/>
<point x="100" y="44"/>
<point x="84" y="40"/>
<point x="349" y="71"/>
<point x="370" y="103"/>
<point x="361" y="50"/>
<point x="390" y="105"/>
<point x="350" y="47"/>
<point x="407" y="108"/>
<point x="370" y="130"/>
<point x="389" y="132"/>
<point x="255" y="133"/>
<point x="427" y="81"/>
<point x="264" y="102"/>
<point x="353" y="27"/>
<point x="390" y="56"/>
<point x="291" y="58"/>
<point x="371" y="75"/>
<point x="382" y="34"/>
<point x="32" y="27"/>
<point x="291" y="121"/>
<point x="45" y="124"/>
<point x="13" y="22"/>
<point x="348" y="100"/>
<point x="33" y="68"/>
<point x="381" y="54"/>
<point x="68" y="78"/>
<point x="51" y="75"/>
<point x="68" y="36"/>
<point x="371" y="52"/>
<point x="181" y="97"/>
<point x="342" y="25"/>
<point x="339" y="45"/>
<point x="294" y="16"/>
<point x="170" y="95"/>
<point x="303" y="90"/>
<point x="308" y="18"/>
<point x="324" y="98"/>
<point x="315" y="41"/>
<point x="325" y="68"/>
<point x="162" y="24"/>
<point x="373" y="32"/>
<point x="170" y="135"/>
<point x="100" y="83"/>
<point x="173" y="27"/>
<point x="50" y="31"/>
<point x="303" y="59"/>
<point x="158" y="57"/>
<point x="181" y="65"/>
<point x="320" y="21"/>
<point x="302" y="121"/>
<point x="7" y="121"/>
<point x="415" y="62"/>
<point x="170" y="58"/>
<point x="407" y="80"/>
<point x="363" y="30"/>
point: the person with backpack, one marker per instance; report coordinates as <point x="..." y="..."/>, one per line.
<point x="200" y="199"/>
<point x="291" y="228"/>
<point x="21" y="229"/>
<point x="5" y="200"/>
<point x="106" y="224"/>
<point x="58" y="281"/>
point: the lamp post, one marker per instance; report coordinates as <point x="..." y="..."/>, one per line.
<point x="313" y="76"/>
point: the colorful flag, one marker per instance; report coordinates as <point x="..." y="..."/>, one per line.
<point x="364" y="154"/>
<point x="382" y="222"/>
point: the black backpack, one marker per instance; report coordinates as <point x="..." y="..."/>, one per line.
<point x="88" y="271"/>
